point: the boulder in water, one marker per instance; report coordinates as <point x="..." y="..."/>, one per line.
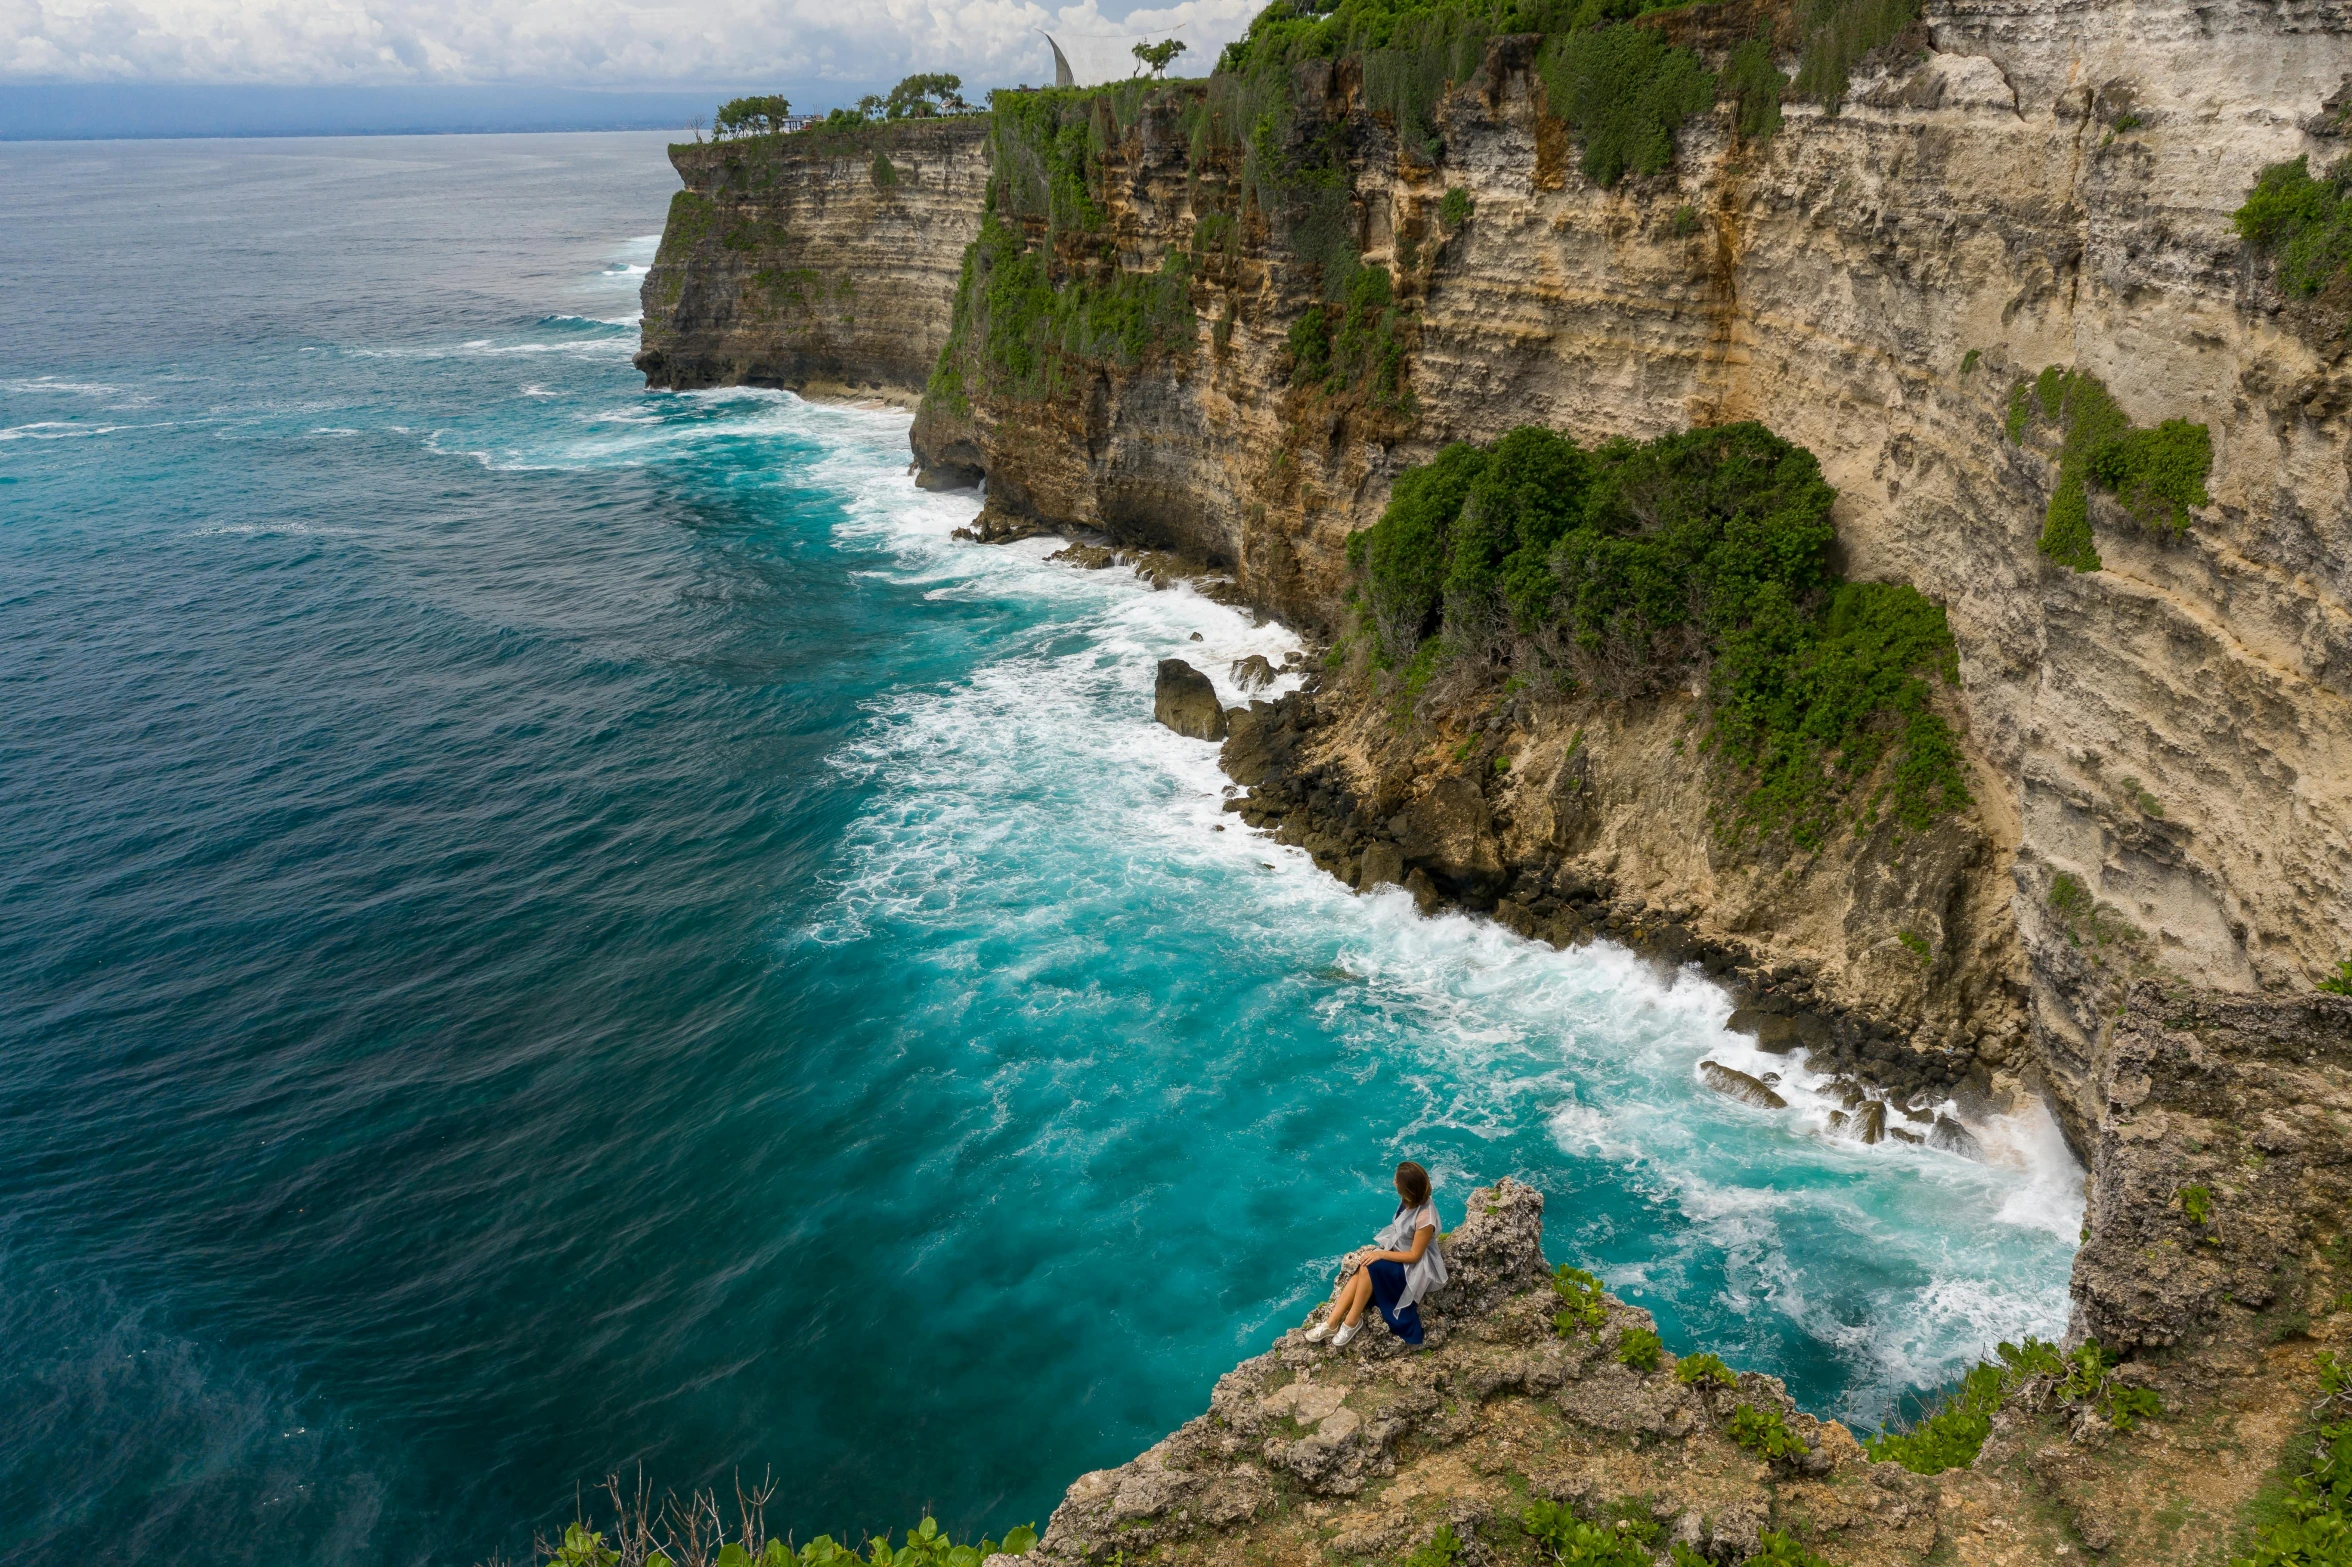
<point x="1186" y="702"/>
<point x="1738" y="1085"/>
<point x="1952" y="1137"/>
<point x="1253" y="673"/>
<point x="1867" y="1123"/>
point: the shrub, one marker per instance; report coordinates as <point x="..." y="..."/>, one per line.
<point x="1691" y="1370"/>
<point x="2317" y="1528"/>
<point x="884" y="173"/>
<point x="1951" y="1433"/>
<point x="2339" y="983"/>
<point x="1015" y="327"/>
<point x="1442" y="1549"/>
<point x="1566" y="1538"/>
<point x="654" y="1534"/>
<point x="1755" y="84"/>
<point x="1454" y="209"/>
<point x="2197" y="1204"/>
<point x="1765" y="1433"/>
<point x="1640" y="1348"/>
<point x="1625" y="91"/>
<point x="2156" y="474"/>
<point x="1780" y="1550"/>
<point x="1629" y="563"/>
<point x="2303" y="223"/>
<point x="1837" y="34"/>
<point x="1916" y="945"/>
<point x="1582" y="1306"/>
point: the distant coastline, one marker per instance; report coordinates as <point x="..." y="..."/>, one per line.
<point x="93" y="111"/>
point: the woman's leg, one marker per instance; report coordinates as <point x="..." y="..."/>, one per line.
<point x="1354" y="1296"/>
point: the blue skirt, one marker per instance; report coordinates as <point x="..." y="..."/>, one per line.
<point x="1388" y="1287"/>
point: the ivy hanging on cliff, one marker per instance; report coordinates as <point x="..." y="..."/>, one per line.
<point x="1017" y="333"/>
<point x="2156" y="474"/>
<point x="1626" y="569"/>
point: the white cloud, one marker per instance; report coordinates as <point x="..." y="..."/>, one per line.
<point x="599" y="43"/>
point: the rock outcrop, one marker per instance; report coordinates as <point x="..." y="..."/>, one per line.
<point x="823" y="262"/>
<point x="1307" y="1453"/>
<point x="1186" y="701"/>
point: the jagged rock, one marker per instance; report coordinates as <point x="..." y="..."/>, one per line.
<point x="1087" y="557"/>
<point x="1772" y="1031"/>
<point x="1253" y="673"/>
<point x="1868" y="1122"/>
<point x="1383" y="863"/>
<point x="1185" y="700"/>
<point x="1738" y="1085"/>
<point x="1950" y="1136"/>
<point x="1449" y="832"/>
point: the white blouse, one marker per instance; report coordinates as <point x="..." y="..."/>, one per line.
<point x="1430" y="1272"/>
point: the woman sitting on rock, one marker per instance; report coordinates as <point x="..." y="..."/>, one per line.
<point x="1402" y="1265"/>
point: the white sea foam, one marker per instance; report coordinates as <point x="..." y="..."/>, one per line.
<point x="55" y="430"/>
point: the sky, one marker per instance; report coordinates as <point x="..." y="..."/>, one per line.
<point x="798" y="46"/>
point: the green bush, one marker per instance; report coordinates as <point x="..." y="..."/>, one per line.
<point x="2304" y="223"/>
<point x="1765" y="1433"/>
<point x="2339" y="983"/>
<point x="2156" y="474"/>
<point x="1837" y="34"/>
<point x="1016" y="330"/>
<point x="1949" y="1435"/>
<point x="884" y="173"/>
<point x="1454" y="210"/>
<point x="1443" y="1549"/>
<point x="1568" y="1539"/>
<point x="2197" y="1204"/>
<point x="1691" y="1370"/>
<point x="1780" y="1550"/>
<point x="1582" y="1306"/>
<point x="2317" y="1529"/>
<point x="1625" y="91"/>
<point x="1756" y="85"/>
<point x="1628" y="563"/>
<point x="640" y="1524"/>
<point x="1640" y="1349"/>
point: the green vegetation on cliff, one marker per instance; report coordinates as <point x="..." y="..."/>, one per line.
<point x="2304" y="223"/>
<point x="2157" y="474"/>
<point x="2316" y="1530"/>
<point x="1627" y="568"/>
<point x="694" y="1532"/>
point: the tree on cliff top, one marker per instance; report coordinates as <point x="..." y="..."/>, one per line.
<point x="925" y="94"/>
<point x="1157" y="57"/>
<point x="755" y="116"/>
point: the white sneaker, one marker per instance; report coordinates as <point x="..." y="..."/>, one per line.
<point x="1319" y="1332"/>
<point x="1339" y="1339"/>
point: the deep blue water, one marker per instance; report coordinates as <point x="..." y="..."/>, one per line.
<point x="546" y="928"/>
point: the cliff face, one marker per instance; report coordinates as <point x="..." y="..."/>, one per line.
<point x="822" y="262"/>
<point x="2157" y="861"/>
<point x="2024" y="188"/>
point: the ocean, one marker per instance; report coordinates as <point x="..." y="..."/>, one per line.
<point x="550" y="930"/>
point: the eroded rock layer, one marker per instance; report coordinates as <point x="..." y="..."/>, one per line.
<point x="823" y="262"/>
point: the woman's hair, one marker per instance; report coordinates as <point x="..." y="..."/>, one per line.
<point x="1412" y="1183"/>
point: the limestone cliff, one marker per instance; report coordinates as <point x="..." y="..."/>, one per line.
<point x="823" y="262"/>
<point x="2157" y="860"/>
<point x="2010" y="189"/>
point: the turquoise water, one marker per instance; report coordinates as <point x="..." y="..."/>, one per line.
<point x="546" y="928"/>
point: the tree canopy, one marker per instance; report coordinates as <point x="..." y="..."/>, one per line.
<point x="754" y="116"/>
<point x="924" y="94"/>
<point x="1158" y="57"/>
